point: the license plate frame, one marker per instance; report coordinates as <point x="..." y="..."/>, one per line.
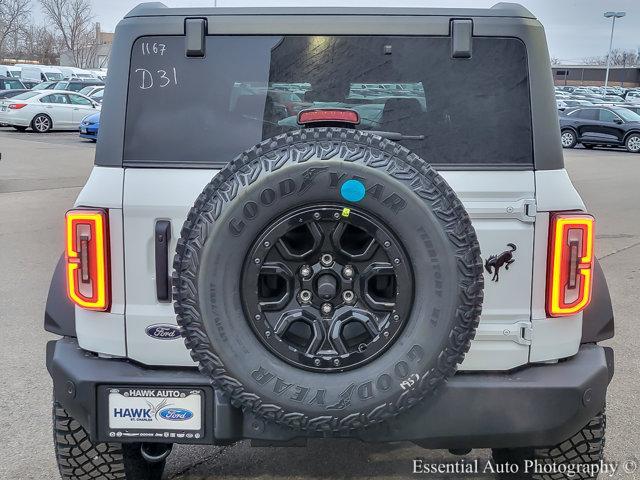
<point x="149" y="415"/>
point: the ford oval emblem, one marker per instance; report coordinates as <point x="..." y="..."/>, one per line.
<point x="163" y="331"/>
<point x="176" y="414"/>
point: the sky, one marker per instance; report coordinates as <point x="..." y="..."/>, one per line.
<point x="575" y="28"/>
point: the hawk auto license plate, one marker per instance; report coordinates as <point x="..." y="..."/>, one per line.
<point x="173" y="413"/>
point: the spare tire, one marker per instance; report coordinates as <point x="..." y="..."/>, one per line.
<point x="328" y="279"/>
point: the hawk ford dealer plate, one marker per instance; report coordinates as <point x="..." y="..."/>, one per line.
<point x="155" y="413"/>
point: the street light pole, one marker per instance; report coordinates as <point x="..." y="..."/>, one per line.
<point x="613" y="15"/>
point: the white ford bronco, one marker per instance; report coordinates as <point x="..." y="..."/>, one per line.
<point x="329" y="223"/>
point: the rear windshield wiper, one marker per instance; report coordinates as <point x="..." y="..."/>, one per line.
<point x="395" y="136"/>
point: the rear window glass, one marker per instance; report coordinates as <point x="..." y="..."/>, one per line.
<point x="207" y="111"/>
<point x="26" y="95"/>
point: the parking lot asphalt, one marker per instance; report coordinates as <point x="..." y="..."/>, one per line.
<point x="40" y="176"/>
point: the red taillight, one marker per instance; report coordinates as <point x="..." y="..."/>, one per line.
<point x="87" y="255"/>
<point x="17" y="106"/>
<point x="328" y="115"/>
<point x="570" y="263"/>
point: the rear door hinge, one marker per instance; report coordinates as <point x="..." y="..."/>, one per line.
<point x="530" y="208"/>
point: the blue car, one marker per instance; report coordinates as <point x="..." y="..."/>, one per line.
<point x="89" y="127"/>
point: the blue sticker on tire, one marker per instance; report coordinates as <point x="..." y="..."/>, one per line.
<point x="352" y="190"/>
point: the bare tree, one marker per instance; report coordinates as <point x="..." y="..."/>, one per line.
<point x="12" y="13"/>
<point x="619" y="58"/>
<point x="73" y="20"/>
<point x="39" y="43"/>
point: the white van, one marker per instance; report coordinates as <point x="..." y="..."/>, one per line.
<point x="101" y="74"/>
<point x="10" y="71"/>
<point x="41" y="73"/>
<point x="73" y="72"/>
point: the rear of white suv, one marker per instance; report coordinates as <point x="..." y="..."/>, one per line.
<point x="190" y="92"/>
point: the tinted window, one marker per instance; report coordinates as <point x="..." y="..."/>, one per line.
<point x="55" y="98"/>
<point x="586" y="114"/>
<point x="11" y="85"/>
<point x="608" y="116"/>
<point x="250" y="88"/>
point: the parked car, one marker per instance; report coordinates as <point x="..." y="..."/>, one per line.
<point x="78" y="84"/>
<point x="560" y="104"/>
<point x="12" y="93"/>
<point x="45" y="85"/>
<point x="29" y="83"/>
<point x="40" y="73"/>
<point x="90" y="90"/>
<point x="601" y="126"/>
<point x="9" y="94"/>
<point x="329" y="282"/>
<point x="98" y="96"/>
<point x="10" y="83"/>
<point x="10" y="71"/>
<point x="45" y="110"/>
<point x="73" y="73"/>
<point x="571" y="102"/>
<point x="89" y="127"/>
<point x="632" y="96"/>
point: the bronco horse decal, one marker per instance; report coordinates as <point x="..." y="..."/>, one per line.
<point x="495" y="262"/>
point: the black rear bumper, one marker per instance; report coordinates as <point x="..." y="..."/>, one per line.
<point x="535" y="406"/>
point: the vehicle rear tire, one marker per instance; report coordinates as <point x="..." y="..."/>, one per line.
<point x="585" y="447"/>
<point x="41" y="123"/>
<point x="632" y="143"/>
<point x="301" y="183"/>
<point x="79" y="458"/>
<point x="20" y="129"/>
<point x="568" y="138"/>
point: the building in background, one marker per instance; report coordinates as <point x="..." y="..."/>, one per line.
<point x="595" y="75"/>
<point x="97" y="55"/>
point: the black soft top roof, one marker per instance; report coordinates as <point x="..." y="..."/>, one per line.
<point x="158" y="9"/>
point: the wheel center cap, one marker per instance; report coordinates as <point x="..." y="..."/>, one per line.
<point x="327" y="286"/>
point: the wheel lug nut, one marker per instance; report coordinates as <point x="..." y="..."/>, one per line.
<point x="316" y="362"/>
<point x="305" y="296"/>
<point x="348" y="296"/>
<point x="316" y="216"/>
<point x="305" y="271"/>
<point x="336" y="215"/>
<point x="326" y="308"/>
<point x="387" y="244"/>
<point x="396" y="317"/>
<point x="336" y="362"/>
<point x="326" y="260"/>
<point x="348" y="271"/>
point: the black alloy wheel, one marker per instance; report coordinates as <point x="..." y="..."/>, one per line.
<point x="327" y="288"/>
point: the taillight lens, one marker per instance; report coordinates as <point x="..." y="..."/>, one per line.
<point x="87" y="256"/>
<point x="17" y="106"/>
<point x="570" y="263"/>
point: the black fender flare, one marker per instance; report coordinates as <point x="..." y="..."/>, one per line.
<point x="598" y="318"/>
<point x="60" y="313"/>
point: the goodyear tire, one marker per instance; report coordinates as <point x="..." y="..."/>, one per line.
<point x="585" y="448"/>
<point x="79" y="458"/>
<point x="303" y="169"/>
